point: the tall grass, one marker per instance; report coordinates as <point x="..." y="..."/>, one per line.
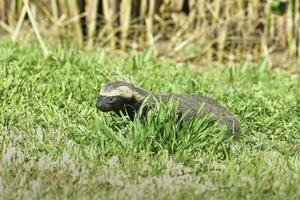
<point x="186" y="30"/>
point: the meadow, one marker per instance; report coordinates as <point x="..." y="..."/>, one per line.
<point x="54" y="143"/>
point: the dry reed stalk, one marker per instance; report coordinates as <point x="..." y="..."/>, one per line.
<point x="106" y="39"/>
<point x="75" y="20"/>
<point x="125" y="10"/>
<point x="65" y="22"/>
<point x="142" y="15"/>
<point x="289" y="29"/>
<point x="192" y="13"/>
<point x="222" y="37"/>
<point x="11" y="13"/>
<point x="143" y="8"/>
<point x="271" y="21"/>
<point x="33" y="10"/>
<point x="149" y="23"/>
<point x="297" y="29"/>
<point x="54" y="8"/>
<point x="295" y="12"/>
<point x="54" y="16"/>
<point x="6" y="27"/>
<point x="199" y="13"/>
<point x="16" y="32"/>
<point x="92" y="6"/>
<point x="62" y="16"/>
<point x="3" y="10"/>
<point x="109" y="12"/>
<point x="175" y="5"/>
<point x="35" y="28"/>
<point x="211" y="18"/>
<point x="67" y="31"/>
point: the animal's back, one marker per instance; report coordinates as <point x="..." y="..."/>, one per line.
<point x="192" y="105"/>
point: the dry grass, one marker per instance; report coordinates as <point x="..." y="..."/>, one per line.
<point x="197" y="31"/>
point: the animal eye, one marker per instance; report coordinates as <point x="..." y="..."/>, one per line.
<point x="110" y="99"/>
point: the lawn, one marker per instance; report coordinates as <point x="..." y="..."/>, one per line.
<point x="54" y="143"/>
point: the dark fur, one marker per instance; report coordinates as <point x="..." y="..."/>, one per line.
<point x="120" y="105"/>
<point x="186" y="102"/>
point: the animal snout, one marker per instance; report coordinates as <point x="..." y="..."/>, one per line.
<point x="101" y="105"/>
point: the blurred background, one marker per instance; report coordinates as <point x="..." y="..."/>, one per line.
<point x="200" y="32"/>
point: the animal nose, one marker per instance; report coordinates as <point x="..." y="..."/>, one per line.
<point x="99" y="103"/>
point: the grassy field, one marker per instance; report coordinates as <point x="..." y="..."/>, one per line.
<point x="54" y="143"/>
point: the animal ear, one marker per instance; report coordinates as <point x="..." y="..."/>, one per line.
<point x="137" y="96"/>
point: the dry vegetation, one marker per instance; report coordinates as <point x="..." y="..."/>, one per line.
<point x="199" y="31"/>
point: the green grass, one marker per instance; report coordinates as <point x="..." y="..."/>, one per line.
<point x="54" y="143"/>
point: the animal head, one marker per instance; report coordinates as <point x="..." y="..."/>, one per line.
<point x="118" y="95"/>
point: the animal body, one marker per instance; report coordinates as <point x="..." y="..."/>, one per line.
<point x="123" y="97"/>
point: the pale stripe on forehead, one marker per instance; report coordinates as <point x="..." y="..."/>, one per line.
<point x="123" y="91"/>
